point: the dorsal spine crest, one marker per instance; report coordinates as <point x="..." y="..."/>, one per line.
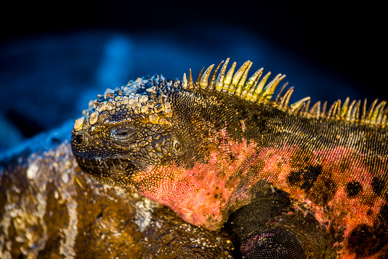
<point x="256" y="89"/>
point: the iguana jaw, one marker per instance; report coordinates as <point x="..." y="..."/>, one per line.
<point x="115" y="171"/>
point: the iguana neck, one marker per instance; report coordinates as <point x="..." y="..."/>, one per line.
<point x="209" y="112"/>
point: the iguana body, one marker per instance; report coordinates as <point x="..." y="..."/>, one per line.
<point x="208" y="148"/>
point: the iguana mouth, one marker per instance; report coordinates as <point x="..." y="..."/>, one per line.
<point x="114" y="171"/>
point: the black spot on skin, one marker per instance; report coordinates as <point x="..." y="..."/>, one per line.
<point x="360" y="239"/>
<point x="377" y="185"/>
<point x="365" y="240"/>
<point x="310" y="176"/>
<point x="353" y="189"/>
<point x="305" y="178"/>
<point x="294" y="178"/>
<point x="215" y="196"/>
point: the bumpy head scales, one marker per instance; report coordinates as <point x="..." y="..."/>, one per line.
<point x="125" y="130"/>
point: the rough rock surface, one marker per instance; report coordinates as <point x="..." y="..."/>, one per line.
<point x="50" y="209"/>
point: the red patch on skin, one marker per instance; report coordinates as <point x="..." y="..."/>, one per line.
<point x="202" y="194"/>
<point x="207" y="193"/>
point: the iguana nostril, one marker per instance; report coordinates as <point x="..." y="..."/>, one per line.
<point x="79" y="138"/>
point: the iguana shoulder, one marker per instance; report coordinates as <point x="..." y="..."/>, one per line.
<point x="211" y="147"/>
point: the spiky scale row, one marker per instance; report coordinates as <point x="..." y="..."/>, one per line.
<point x="257" y="91"/>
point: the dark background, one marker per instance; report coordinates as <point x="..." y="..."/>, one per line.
<point x="55" y="57"/>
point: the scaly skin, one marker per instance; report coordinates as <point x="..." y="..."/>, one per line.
<point x="210" y="148"/>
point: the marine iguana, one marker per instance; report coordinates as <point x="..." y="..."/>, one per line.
<point x="292" y="180"/>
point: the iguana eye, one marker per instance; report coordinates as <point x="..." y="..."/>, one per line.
<point x="177" y="145"/>
<point x="122" y="134"/>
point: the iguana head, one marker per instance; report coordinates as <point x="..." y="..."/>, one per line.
<point x="127" y="130"/>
